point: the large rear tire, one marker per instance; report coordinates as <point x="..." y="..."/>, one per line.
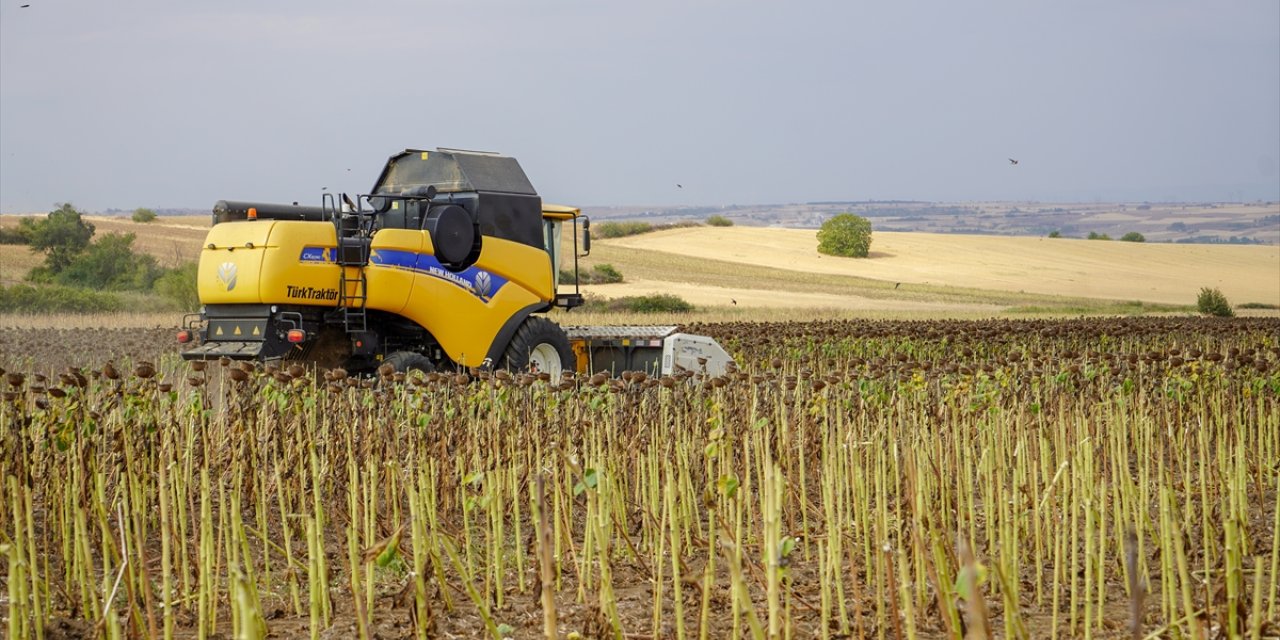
<point x="540" y="346"/>
<point x="406" y="361"/>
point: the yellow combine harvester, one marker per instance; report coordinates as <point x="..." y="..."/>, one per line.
<point x="446" y="263"/>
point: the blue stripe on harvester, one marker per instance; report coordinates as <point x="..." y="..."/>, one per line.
<point x="476" y="281"/>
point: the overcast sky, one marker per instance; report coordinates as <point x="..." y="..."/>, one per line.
<point x="132" y="103"/>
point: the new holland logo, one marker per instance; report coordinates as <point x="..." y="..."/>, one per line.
<point x="227" y="275"/>
<point x="484" y="285"/>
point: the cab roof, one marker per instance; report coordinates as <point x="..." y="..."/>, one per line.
<point x="559" y="211"/>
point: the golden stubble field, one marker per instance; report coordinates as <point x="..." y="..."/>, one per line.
<point x="1161" y="273"/>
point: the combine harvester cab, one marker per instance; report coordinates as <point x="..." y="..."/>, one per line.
<point x="447" y="263"/>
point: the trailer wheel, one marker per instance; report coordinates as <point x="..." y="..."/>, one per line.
<point x="406" y="361"/>
<point x="540" y="346"/>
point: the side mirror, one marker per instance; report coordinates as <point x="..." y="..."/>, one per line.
<point x="586" y="237"/>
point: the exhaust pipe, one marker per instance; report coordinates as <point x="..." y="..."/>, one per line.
<point x="231" y="210"/>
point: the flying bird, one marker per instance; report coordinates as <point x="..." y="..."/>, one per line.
<point x="735" y="302"/>
<point x="897" y="285"/>
<point x="1012" y="161"/>
<point x="679" y="186"/>
<point x="24" y="6"/>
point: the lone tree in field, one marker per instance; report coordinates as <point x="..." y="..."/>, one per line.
<point x="1211" y="302"/>
<point x="62" y="235"/>
<point x="845" y="235"/>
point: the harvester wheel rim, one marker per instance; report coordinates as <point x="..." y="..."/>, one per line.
<point x="545" y="359"/>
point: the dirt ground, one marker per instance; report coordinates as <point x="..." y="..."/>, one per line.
<point x="50" y="348"/>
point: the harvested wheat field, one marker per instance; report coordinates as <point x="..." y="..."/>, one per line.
<point x="173" y="240"/>
<point x="1104" y="478"/>
<point x="1161" y="273"/>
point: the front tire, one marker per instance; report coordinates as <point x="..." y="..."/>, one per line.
<point x="406" y="361"/>
<point x="540" y="346"/>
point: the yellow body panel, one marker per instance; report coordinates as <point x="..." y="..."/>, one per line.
<point x="294" y="262"/>
<point x="463" y="310"/>
<point x="298" y="267"/>
<point x="231" y="262"/>
<point x="262" y="262"/>
<point x="389" y="289"/>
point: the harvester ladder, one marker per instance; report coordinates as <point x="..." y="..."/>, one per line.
<point x="352" y="258"/>
<point x="352" y="297"/>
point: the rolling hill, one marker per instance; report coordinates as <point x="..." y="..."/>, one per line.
<point x="999" y="265"/>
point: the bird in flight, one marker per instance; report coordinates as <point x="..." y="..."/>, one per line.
<point x="1012" y="161"/>
<point x="735" y="302"/>
<point x="897" y="285"/>
<point x="24" y="6"/>
<point x="679" y="186"/>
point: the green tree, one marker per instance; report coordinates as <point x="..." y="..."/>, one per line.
<point x="143" y="214"/>
<point x="845" y="235"/>
<point x="719" y="221"/>
<point x="109" y="263"/>
<point x="1212" y="302"/>
<point x="61" y="235"/>
<point x="1133" y="236"/>
<point x="1055" y="234"/>
<point x="1094" y="235"/>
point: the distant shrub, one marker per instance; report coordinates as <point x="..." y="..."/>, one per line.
<point x="658" y="303"/>
<point x="22" y="298"/>
<point x="1133" y="236"/>
<point x="1055" y="234"/>
<point x="1093" y="235"/>
<point x="14" y="235"/>
<point x="621" y="229"/>
<point x="142" y="214"/>
<point x="600" y="274"/>
<point x="719" y="221"/>
<point x="1212" y="302"/>
<point x="1258" y="305"/>
<point x="178" y="285"/>
<point x="606" y="273"/>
